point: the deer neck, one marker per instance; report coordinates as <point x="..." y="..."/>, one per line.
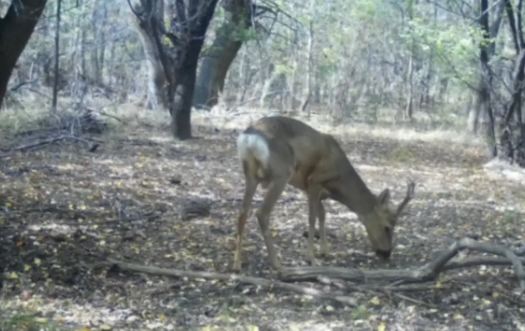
<point x="351" y="191"/>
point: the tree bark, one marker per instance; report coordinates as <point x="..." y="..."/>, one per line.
<point x="16" y="28"/>
<point x="149" y="30"/>
<point x="173" y="53"/>
<point x="216" y="62"/>
<point x="57" y="58"/>
<point x="309" y="61"/>
<point x="478" y="116"/>
<point x="512" y="136"/>
<point x="409" y="107"/>
<point x="483" y="103"/>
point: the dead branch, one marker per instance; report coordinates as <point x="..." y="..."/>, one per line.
<point x="35" y="144"/>
<point x="48" y="141"/>
<point x="258" y="281"/>
<point x="427" y="272"/>
<point x="392" y="279"/>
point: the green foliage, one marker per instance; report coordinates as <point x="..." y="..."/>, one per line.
<point x="244" y="35"/>
<point x="13" y="121"/>
<point x="455" y="47"/>
<point x="360" y="313"/>
<point x="26" y="322"/>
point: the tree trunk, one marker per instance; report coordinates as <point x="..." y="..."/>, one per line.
<point x="173" y="53"/>
<point x="483" y="102"/>
<point x="216" y="62"/>
<point x="182" y="88"/>
<point x="15" y="29"/>
<point x="57" y="58"/>
<point x="409" y="108"/>
<point x="476" y="117"/>
<point x="149" y="32"/>
<point x="309" y="61"/>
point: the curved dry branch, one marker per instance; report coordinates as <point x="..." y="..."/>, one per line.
<point x="427" y="272"/>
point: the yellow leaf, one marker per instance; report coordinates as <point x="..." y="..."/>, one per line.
<point x="458" y="316"/>
<point x="375" y="301"/>
<point x="253" y="328"/>
<point x="381" y="326"/>
<point x="12" y="276"/>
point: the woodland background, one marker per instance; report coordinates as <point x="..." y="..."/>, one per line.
<point x="96" y="161"/>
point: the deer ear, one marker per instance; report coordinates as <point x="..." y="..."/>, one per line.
<point x="384" y="197"/>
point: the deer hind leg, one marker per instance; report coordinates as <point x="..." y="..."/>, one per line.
<point x="249" y="192"/>
<point x="313" y="193"/>
<point x="275" y="188"/>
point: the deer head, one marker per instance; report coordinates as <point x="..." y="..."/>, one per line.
<point x="380" y="222"/>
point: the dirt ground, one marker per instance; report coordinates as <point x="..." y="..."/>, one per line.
<point x="65" y="209"/>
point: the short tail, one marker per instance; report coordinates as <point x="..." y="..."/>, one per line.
<point x="252" y="146"/>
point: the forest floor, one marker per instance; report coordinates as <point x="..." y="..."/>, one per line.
<point x="65" y="209"/>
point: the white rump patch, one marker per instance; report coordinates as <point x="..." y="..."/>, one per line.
<point x="253" y="145"/>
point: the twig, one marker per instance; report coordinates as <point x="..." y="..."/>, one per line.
<point x="268" y="283"/>
<point x="103" y="113"/>
<point x="416" y="301"/>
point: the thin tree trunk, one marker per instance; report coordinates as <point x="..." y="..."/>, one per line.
<point x="309" y="61"/>
<point x="149" y="32"/>
<point x="16" y="28"/>
<point x="57" y="58"/>
<point x="409" y="109"/>
<point x="485" y="81"/>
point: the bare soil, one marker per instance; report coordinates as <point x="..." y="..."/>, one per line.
<point x="65" y="209"/>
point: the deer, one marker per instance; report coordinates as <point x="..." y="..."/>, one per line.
<point x="276" y="151"/>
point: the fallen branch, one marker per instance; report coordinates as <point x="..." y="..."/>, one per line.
<point x="427" y="272"/>
<point x="392" y="279"/>
<point x="258" y="281"/>
<point x="48" y="141"/>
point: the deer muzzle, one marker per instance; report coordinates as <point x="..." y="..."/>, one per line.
<point x="383" y="254"/>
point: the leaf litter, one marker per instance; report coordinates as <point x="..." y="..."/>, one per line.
<point x="148" y="199"/>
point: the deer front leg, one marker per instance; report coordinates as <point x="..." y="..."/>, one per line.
<point x="322" y="230"/>
<point x="275" y="189"/>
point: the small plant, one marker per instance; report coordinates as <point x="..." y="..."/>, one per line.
<point x="26" y="322"/>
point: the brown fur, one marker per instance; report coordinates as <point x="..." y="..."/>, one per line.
<point x="315" y="163"/>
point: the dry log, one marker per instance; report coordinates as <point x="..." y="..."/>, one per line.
<point x="258" y="281"/>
